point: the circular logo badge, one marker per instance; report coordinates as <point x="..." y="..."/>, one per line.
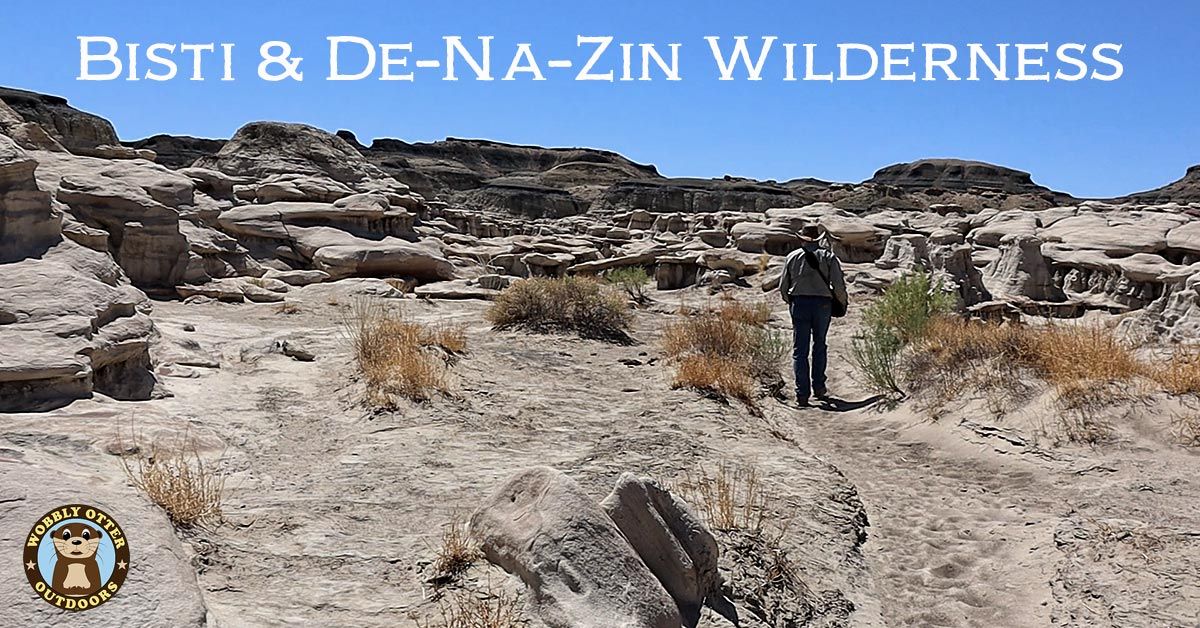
<point x="76" y="557"/>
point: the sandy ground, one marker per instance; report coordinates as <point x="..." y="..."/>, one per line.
<point x="333" y="512"/>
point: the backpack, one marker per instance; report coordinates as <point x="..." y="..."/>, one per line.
<point x="838" y="306"/>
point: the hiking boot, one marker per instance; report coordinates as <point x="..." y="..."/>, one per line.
<point x="821" y="393"/>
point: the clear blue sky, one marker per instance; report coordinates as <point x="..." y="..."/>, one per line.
<point x="1087" y="138"/>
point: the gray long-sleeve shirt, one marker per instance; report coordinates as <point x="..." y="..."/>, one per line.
<point x="801" y="279"/>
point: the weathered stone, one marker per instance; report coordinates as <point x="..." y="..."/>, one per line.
<point x="671" y="540"/>
<point x="580" y="569"/>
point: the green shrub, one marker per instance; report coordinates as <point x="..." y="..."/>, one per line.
<point x="899" y="317"/>
<point x="631" y="279"/>
<point x="571" y="304"/>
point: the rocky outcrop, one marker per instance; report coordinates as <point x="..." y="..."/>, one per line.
<point x="1021" y="272"/>
<point x="70" y="323"/>
<point x="137" y="203"/>
<point x="580" y="570"/>
<point x="77" y="131"/>
<point x="264" y="149"/>
<point x="177" y="151"/>
<point x="671" y="540"/>
<point x="1183" y="191"/>
<point x="958" y="175"/>
<point x="27" y="224"/>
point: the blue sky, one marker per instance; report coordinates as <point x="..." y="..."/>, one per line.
<point x="1088" y="138"/>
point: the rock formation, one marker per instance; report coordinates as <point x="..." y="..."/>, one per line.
<point x="227" y="217"/>
<point x="580" y="569"/>
<point x="70" y="323"/>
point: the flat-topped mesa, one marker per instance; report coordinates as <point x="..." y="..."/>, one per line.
<point x="1185" y="190"/>
<point x="177" y="151"/>
<point x="958" y="175"/>
<point x="78" y="131"/>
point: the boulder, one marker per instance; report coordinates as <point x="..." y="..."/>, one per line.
<point x="671" y="540"/>
<point x="580" y="569"/>
<point x="161" y="588"/>
<point x="1021" y="272"/>
<point x="71" y="325"/>
<point x="387" y="257"/>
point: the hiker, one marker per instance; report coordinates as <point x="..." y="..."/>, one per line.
<point x="815" y="291"/>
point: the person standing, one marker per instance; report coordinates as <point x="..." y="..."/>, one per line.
<point x="811" y="282"/>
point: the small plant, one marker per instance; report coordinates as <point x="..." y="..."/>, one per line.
<point x="176" y="478"/>
<point x="490" y="609"/>
<point x="729" y="498"/>
<point x="631" y="279"/>
<point x="875" y="354"/>
<point x="726" y="351"/>
<point x="398" y="357"/>
<point x="1180" y="375"/>
<point x="457" y="552"/>
<point x="898" y="318"/>
<point x="572" y="304"/>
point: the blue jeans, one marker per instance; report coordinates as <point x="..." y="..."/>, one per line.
<point x="810" y="322"/>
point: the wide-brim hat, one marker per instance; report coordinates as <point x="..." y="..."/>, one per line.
<point x="810" y="233"/>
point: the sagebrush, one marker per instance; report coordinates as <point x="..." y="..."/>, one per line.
<point x="579" y="305"/>
<point x="632" y="280"/>
<point x="899" y="317"/>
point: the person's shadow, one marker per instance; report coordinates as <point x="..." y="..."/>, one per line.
<point x="833" y="404"/>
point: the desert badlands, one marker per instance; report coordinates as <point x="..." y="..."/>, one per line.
<point x="464" y="383"/>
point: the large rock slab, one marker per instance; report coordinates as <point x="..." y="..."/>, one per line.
<point x="71" y="324"/>
<point x="160" y="590"/>
<point x="580" y="570"/>
<point x="673" y="542"/>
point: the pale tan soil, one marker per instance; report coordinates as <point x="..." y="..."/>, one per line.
<point x="333" y="512"/>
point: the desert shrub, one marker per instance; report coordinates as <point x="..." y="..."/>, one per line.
<point x="175" y="477"/>
<point x="631" y="279"/>
<point x="726" y="350"/>
<point x="455" y="554"/>
<point x="577" y="305"/>
<point x="1088" y="367"/>
<point x="896" y="319"/>
<point x="398" y="357"/>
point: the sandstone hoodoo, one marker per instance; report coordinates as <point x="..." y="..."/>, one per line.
<point x="462" y="379"/>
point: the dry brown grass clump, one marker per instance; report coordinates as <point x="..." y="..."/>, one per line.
<point x="175" y="477"/>
<point x="1089" y="368"/>
<point x="455" y="555"/>
<point x="288" y="308"/>
<point x="729" y="498"/>
<point x="1180" y="375"/>
<point x="399" y="357"/>
<point x="490" y="609"/>
<point x="726" y="350"/>
<point x="578" y="305"/>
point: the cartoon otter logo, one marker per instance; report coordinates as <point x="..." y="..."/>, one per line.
<point x="76" y="557"/>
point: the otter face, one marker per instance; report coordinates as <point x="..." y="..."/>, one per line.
<point x="76" y="541"/>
